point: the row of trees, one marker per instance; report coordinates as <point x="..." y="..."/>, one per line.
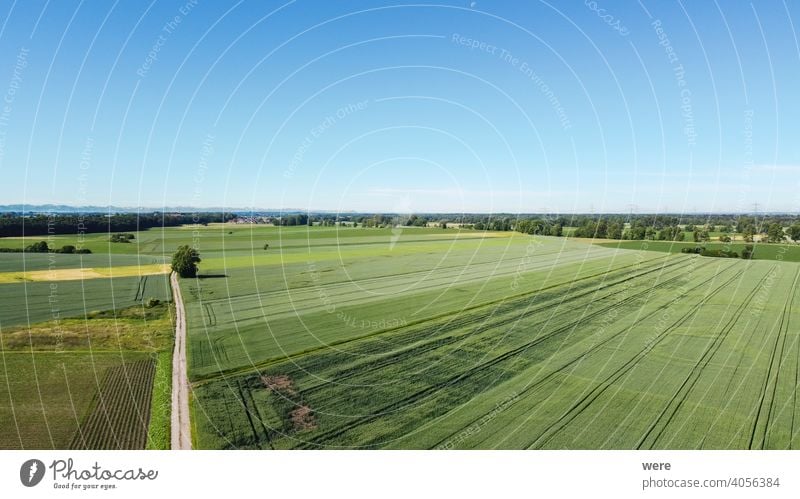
<point x="539" y="226"/>
<point x="42" y="247"/>
<point x="657" y="227"/>
<point x="747" y="252"/>
<point x="613" y="226"/>
<point x="292" y="220"/>
<point x="503" y="224"/>
<point x="13" y="224"/>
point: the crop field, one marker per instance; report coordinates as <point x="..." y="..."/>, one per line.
<point x="32" y="302"/>
<point x="121" y="409"/>
<point x="256" y="314"/>
<point x="83" y="273"/>
<point x="788" y="252"/>
<point x="136" y="328"/>
<point x="45" y="396"/>
<point x="333" y="337"/>
<point x="79" y="348"/>
<point x="19" y="262"/>
<point x="78" y="359"/>
<point x="504" y="342"/>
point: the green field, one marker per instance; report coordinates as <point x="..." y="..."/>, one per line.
<point x="33" y="302"/>
<point x="79" y="356"/>
<point x="120" y="412"/>
<point x="788" y="252"/>
<point x="15" y="262"/>
<point x="336" y="337"/>
<point x="45" y="397"/>
<point x="503" y="342"/>
<point x="84" y="382"/>
<point x="261" y="312"/>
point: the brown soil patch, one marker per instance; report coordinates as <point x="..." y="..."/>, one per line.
<point x="280" y="383"/>
<point x="303" y="418"/>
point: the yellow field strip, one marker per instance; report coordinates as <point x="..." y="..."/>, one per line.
<point x="84" y="273"/>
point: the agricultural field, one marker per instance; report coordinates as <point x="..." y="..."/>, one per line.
<point x="120" y="412"/>
<point x="259" y="309"/>
<point x="21" y="262"/>
<point x="340" y="337"/>
<point x="788" y="251"/>
<point x="84" y="382"/>
<point x="481" y="340"/>
<point x="34" y="302"/>
<point x="82" y="341"/>
<point x="45" y="397"/>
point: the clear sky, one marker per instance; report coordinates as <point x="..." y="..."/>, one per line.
<point x="458" y="106"/>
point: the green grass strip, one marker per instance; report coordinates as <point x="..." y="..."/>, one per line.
<point x="158" y="431"/>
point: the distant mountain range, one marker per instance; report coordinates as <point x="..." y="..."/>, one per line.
<point x="63" y="208"/>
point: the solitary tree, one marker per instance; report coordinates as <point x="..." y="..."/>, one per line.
<point x="185" y="261"/>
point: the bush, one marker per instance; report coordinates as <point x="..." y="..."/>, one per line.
<point x="716" y="253"/>
<point x="40" y="247"/>
<point x="125" y="237"/>
<point x="719" y="253"/>
<point x="152" y="302"/>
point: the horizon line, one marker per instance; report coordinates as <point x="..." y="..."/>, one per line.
<point x="67" y="208"/>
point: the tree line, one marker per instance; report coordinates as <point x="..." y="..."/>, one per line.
<point x="646" y="227"/>
<point x="696" y="228"/>
<point x="42" y="247"/>
<point x="14" y="224"/>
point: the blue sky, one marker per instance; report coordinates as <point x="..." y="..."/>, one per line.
<point x="476" y="106"/>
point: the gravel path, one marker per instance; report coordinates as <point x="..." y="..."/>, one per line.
<point x="181" y="428"/>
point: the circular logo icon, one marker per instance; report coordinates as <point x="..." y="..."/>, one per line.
<point x="31" y="472"/>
